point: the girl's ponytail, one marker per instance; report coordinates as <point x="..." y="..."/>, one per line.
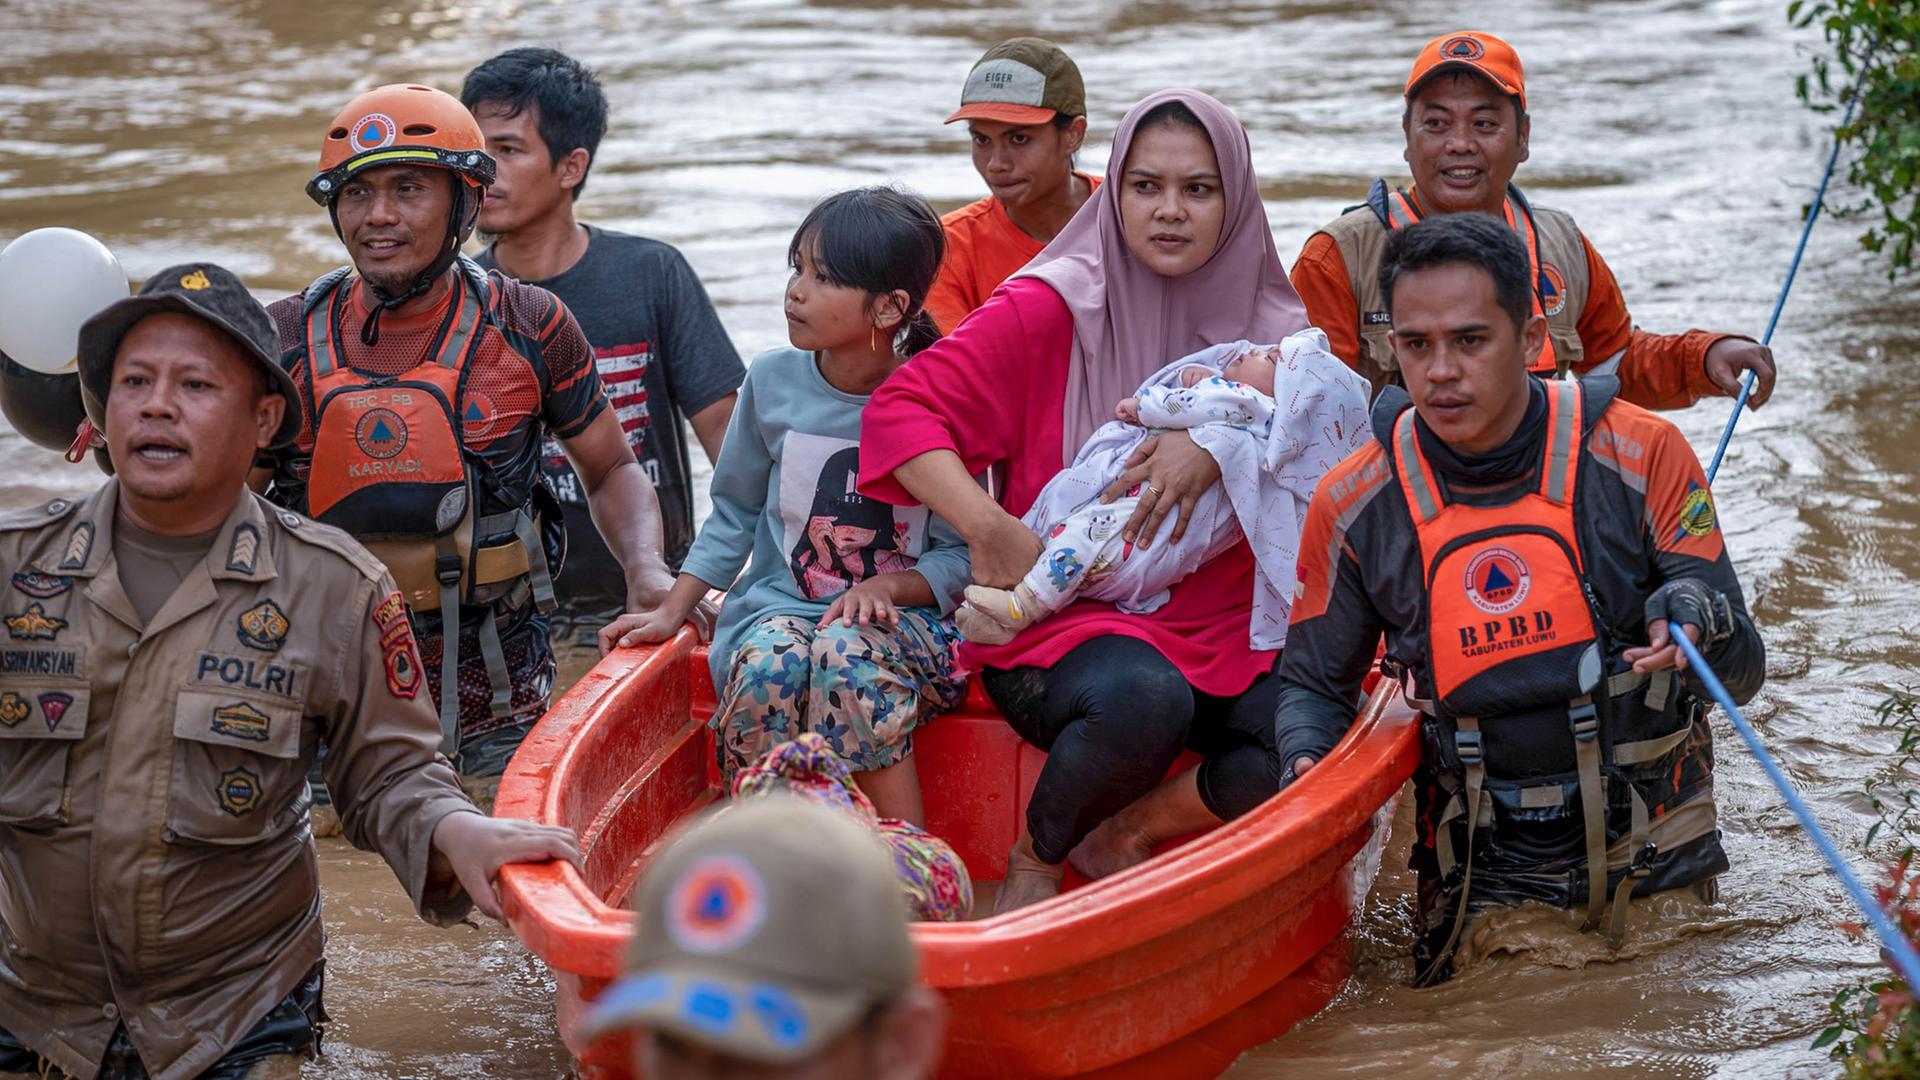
<point x="922" y="331"/>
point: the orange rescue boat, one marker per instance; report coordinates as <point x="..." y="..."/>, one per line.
<point x="1170" y="969"/>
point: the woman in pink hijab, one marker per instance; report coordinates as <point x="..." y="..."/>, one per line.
<point x="1172" y="254"/>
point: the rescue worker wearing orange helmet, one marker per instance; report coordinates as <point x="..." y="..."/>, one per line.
<point x="426" y="387"/>
<point x="1467" y="132"/>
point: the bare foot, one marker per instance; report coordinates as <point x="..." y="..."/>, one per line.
<point x="1110" y="849"/>
<point x="1028" y="880"/>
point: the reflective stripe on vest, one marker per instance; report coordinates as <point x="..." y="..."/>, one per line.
<point x="1403" y="211"/>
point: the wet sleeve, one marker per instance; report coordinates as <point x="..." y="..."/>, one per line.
<point x="1657" y="371"/>
<point x="739" y="497"/>
<point x="1320" y="277"/>
<point x="1332" y="638"/>
<point x="946" y="564"/>
<point x="383" y="765"/>
<point x="1684" y="534"/>
<point x="574" y="396"/>
<point x="702" y="364"/>
<point x="951" y="300"/>
<point x="967" y="392"/>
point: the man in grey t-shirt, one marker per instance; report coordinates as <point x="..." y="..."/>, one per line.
<point x="660" y="348"/>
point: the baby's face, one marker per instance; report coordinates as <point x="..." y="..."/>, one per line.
<point x="1253" y="367"/>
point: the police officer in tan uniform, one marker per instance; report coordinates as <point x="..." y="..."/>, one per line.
<point x="175" y="650"/>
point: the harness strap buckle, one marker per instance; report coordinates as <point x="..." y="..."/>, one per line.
<point x="1584" y="720"/>
<point x="446" y="569"/>
<point x="1467" y="745"/>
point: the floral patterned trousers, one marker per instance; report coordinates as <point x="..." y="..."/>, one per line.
<point x="861" y="688"/>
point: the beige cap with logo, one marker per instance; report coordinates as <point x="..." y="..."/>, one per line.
<point x="1023" y="80"/>
<point x="767" y="929"/>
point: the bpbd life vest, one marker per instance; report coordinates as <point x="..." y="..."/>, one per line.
<point x="1515" y="643"/>
<point x="390" y="466"/>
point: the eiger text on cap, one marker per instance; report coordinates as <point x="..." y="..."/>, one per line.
<point x="208" y="292"/>
<point x="1484" y="54"/>
<point x="1024" y="80"/>
<point x="767" y="929"/>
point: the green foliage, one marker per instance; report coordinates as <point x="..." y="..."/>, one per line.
<point x="1876" y="60"/>
<point x="1875" y="1029"/>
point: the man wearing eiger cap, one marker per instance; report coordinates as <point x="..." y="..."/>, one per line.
<point x="772" y="943"/>
<point x="1467" y="131"/>
<point x="1025" y="110"/>
<point x="176" y="649"/>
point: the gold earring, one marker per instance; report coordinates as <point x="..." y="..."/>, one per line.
<point x="873" y="339"/>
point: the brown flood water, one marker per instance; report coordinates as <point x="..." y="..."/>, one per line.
<point x="186" y="129"/>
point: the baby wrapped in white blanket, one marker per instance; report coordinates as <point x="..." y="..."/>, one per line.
<point x="1275" y="418"/>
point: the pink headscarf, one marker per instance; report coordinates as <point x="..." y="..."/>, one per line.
<point x="1129" y="322"/>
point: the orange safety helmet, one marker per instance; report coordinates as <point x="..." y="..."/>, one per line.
<point x="406" y="124"/>
<point x="401" y="123"/>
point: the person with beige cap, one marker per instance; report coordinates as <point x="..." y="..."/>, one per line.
<point x="177" y="649"/>
<point x="1467" y="132"/>
<point x="772" y="943"/>
<point x="1026" y="112"/>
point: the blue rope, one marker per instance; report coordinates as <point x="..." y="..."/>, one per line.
<point x="1895" y="943"/>
<point x="1813" y="212"/>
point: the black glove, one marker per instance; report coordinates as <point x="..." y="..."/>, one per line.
<point x="1686" y="602"/>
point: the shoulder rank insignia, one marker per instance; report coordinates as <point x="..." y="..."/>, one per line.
<point x="244" y="551"/>
<point x="238" y="791"/>
<point x="79" y="547"/>
<point x="34" y="624"/>
<point x="41" y="586"/>
<point x="13" y="708"/>
<point x="241" y="721"/>
<point x="264" y="626"/>
<point x="53" y="707"/>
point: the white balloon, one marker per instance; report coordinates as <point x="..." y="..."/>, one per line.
<point x="51" y="281"/>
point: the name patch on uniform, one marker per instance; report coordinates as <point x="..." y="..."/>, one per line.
<point x="13" y="708"/>
<point x="244" y="552"/>
<point x="38" y="661"/>
<point x="252" y="674"/>
<point x="42" y="586"/>
<point x="238" y="791"/>
<point x="1376" y="318"/>
<point x="1696" y="512"/>
<point x="264" y="626"/>
<point x="53" y="707"/>
<point x="34" y="624"/>
<point x="241" y="721"/>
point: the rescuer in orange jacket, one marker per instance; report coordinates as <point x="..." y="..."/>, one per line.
<point x="1467" y="132"/>
<point x="1527" y="546"/>
<point x="426" y="387"/>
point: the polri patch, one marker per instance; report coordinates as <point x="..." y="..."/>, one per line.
<point x="42" y="586"/>
<point x="242" y="721"/>
<point x="238" y="791"/>
<point x="13" y="708"/>
<point x="264" y="626"/>
<point x="403" y="668"/>
<point x="34" y="624"/>
<point x="54" y="706"/>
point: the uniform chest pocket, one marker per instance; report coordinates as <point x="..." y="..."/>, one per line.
<point x="39" y="723"/>
<point x="236" y="767"/>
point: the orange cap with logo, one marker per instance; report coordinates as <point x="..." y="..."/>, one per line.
<point x="1483" y="54"/>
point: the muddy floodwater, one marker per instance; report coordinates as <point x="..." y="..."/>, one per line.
<point x="186" y="129"/>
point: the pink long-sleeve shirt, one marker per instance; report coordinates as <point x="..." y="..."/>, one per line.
<point x="992" y="392"/>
